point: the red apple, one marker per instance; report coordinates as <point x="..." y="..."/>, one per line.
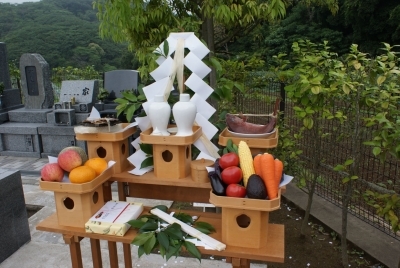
<point x="52" y="172"/>
<point x="70" y="159"/>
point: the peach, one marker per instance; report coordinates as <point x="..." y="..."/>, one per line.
<point x="52" y="172"/>
<point x="70" y="159"/>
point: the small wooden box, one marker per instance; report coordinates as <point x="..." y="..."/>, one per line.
<point x="245" y="220"/>
<point x="172" y="155"/>
<point x="76" y="209"/>
<point x="199" y="172"/>
<point x="110" y="146"/>
<point x="256" y="145"/>
<point x="76" y="203"/>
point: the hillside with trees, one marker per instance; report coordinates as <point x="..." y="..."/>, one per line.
<point x="64" y="32"/>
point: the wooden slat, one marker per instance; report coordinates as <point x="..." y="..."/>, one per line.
<point x="121" y="191"/>
<point x="127" y="255"/>
<point x="166" y="192"/>
<point x="112" y="251"/>
<point x="96" y="253"/>
<point x="107" y="191"/>
<point x="75" y="251"/>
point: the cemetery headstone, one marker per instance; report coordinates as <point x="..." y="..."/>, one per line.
<point x="13" y="216"/>
<point x="83" y="91"/>
<point x="4" y="72"/>
<point x="119" y="80"/>
<point x="36" y="82"/>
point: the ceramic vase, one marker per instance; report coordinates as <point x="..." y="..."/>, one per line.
<point x="159" y="113"/>
<point x="184" y="113"/>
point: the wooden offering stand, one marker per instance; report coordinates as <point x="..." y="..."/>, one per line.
<point x="243" y="225"/>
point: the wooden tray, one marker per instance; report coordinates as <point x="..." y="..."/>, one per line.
<point x="145" y="137"/>
<point x="269" y="142"/>
<point x="246" y="203"/>
<point x="78" y="188"/>
<point x="105" y="136"/>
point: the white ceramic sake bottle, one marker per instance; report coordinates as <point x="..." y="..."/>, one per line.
<point x="184" y="112"/>
<point x="159" y="113"/>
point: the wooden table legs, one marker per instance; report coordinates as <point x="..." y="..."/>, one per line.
<point x="238" y="263"/>
<point x="96" y="253"/>
<point x="127" y="255"/>
<point x="76" y="255"/>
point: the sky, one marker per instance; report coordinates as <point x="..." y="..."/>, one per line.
<point x="17" y="1"/>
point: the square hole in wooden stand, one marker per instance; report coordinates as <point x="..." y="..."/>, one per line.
<point x="172" y="161"/>
<point x="75" y="209"/>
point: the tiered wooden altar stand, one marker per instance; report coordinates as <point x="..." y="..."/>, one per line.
<point x="268" y="238"/>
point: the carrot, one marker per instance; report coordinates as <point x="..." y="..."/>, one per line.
<point x="268" y="175"/>
<point x="278" y="170"/>
<point x="257" y="164"/>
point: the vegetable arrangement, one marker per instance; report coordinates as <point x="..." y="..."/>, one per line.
<point x="239" y="175"/>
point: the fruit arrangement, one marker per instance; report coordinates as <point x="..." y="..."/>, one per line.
<point x="74" y="161"/>
<point x="239" y="175"/>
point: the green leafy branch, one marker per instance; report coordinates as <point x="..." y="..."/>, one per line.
<point x="148" y="150"/>
<point x="130" y="103"/>
<point x="170" y="239"/>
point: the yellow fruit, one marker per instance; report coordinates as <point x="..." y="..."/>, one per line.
<point x="98" y="164"/>
<point x="82" y="174"/>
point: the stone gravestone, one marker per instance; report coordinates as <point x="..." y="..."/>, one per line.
<point x="4" y="72"/>
<point x="11" y="98"/>
<point x="115" y="82"/>
<point x="14" y="223"/>
<point x="36" y="82"/>
<point x="119" y="80"/>
<point x="84" y="91"/>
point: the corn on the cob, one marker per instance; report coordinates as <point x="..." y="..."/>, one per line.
<point x="246" y="161"/>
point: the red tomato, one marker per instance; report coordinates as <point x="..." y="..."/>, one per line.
<point x="231" y="175"/>
<point x="235" y="190"/>
<point x="229" y="160"/>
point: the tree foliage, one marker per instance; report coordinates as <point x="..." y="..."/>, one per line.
<point x="63" y="32"/>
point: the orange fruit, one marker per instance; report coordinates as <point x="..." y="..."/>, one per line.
<point x="98" y="164"/>
<point x="82" y="174"/>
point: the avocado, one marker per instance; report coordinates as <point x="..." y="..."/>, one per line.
<point x="256" y="187"/>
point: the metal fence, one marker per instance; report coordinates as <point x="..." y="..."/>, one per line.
<point x="374" y="175"/>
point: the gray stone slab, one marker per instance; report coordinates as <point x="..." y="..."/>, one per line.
<point x="56" y="130"/>
<point x="109" y="113"/>
<point x="83" y="107"/>
<point x="20" y="154"/>
<point x="56" y="138"/>
<point x="119" y="80"/>
<point x="110" y="106"/>
<point x="80" y="117"/>
<point x="12" y="98"/>
<point x="36" y="82"/>
<point x="3" y="117"/>
<point x="64" y="117"/>
<point x="20" y="128"/>
<point x="20" y="139"/>
<point x="25" y="115"/>
<point x="50" y="118"/>
<point x="84" y="91"/>
<point x="13" y="215"/>
<point x="4" y="72"/>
